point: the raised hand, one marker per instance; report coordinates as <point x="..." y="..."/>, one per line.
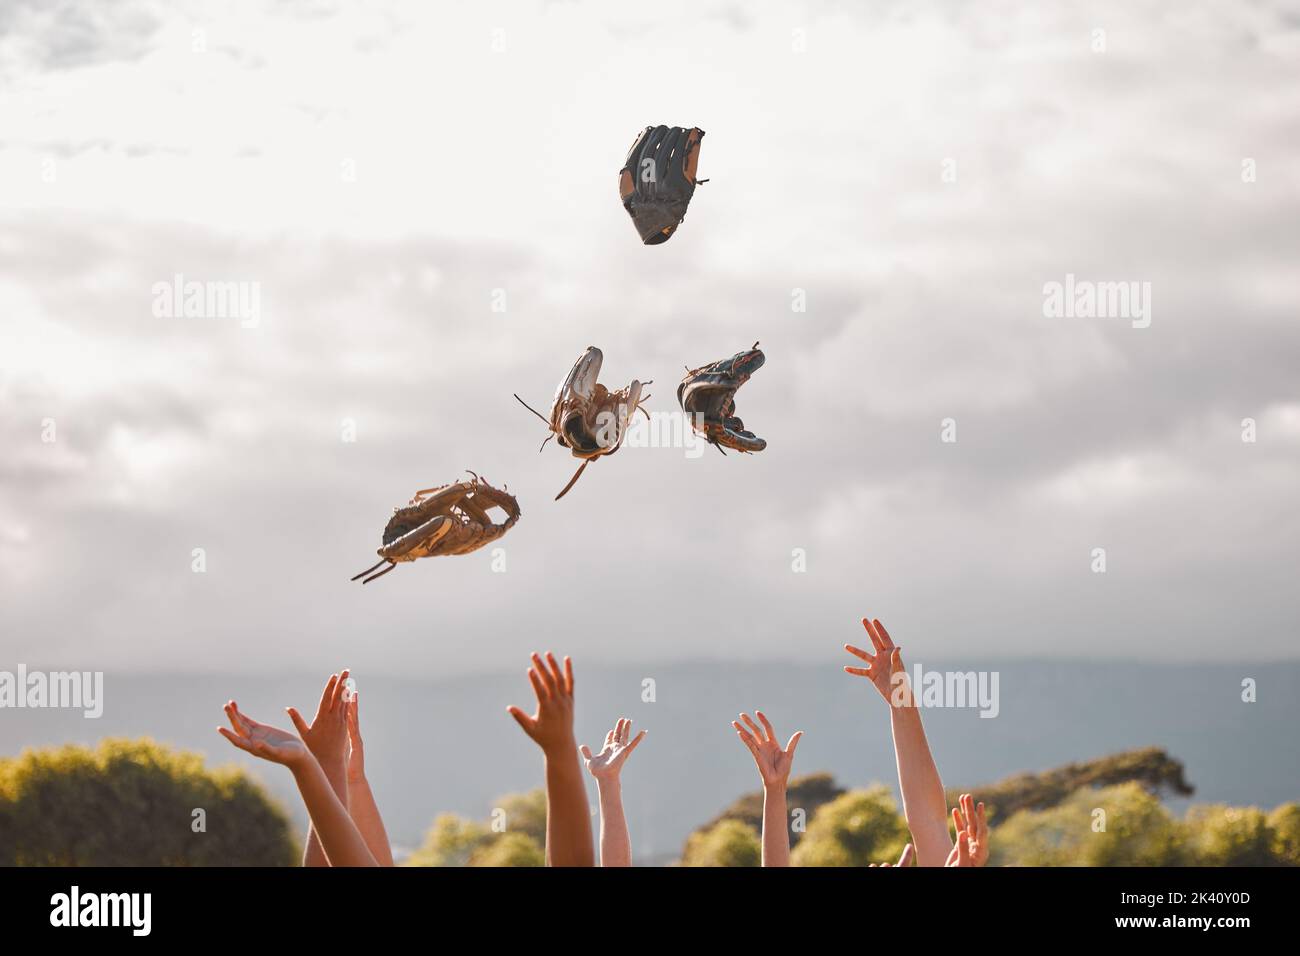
<point x="615" y="843"/>
<point x="924" y="804"/>
<point x="774" y="762"/>
<point x="969" y="819"/>
<point x="327" y="739"/>
<point x="263" y="740"/>
<point x="568" y="822"/>
<point x="327" y="735"/>
<point x="338" y="840"/>
<point x="552" y="726"/>
<point x="960" y="855"/>
<point x="904" y="860"/>
<point x="882" y="665"/>
<point x="606" y="764"/>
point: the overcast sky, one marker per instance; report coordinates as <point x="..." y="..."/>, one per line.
<point x="380" y="173"/>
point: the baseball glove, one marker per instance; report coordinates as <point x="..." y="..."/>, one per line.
<point x="658" y="179"/>
<point x="586" y="417"/>
<point x="708" y="396"/>
<point x="451" y="519"/>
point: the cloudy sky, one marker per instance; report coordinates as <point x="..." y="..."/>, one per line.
<point x="379" y="172"/>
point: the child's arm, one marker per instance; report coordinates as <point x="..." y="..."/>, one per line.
<point x="339" y="837"/>
<point x="568" y="820"/>
<point x="774" y="768"/>
<point x="615" y="843"/>
<point x="326" y="737"/>
<point x="924" y="804"/>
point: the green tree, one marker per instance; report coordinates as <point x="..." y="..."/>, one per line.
<point x="855" y="829"/>
<point x="1220" y="835"/>
<point x="726" y="843"/>
<point x="1138" y="831"/>
<point x="806" y="793"/>
<point x="1150" y="767"/>
<point x="134" y="803"/>
<point x="454" y="840"/>
<point x="510" y="849"/>
<point x="1285" y="824"/>
<point x="451" y="841"/>
<point x="525" y="813"/>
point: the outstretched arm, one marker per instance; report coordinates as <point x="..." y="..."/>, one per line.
<point x="339" y="837"/>
<point x="774" y="766"/>
<point x="615" y="843"/>
<point x="568" y="820"/>
<point x="918" y="778"/>
<point x="327" y="739"/>
<point x="361" y="802"/>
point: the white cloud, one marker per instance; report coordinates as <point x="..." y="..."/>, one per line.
<point x="122" y="164"/>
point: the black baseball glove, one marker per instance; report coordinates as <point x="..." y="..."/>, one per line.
<point x="708" y="396"/>
<point x="658" y="179"/>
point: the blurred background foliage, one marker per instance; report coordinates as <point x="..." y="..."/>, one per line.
<point x="133" y="802"/>
<point x="1104" y="812"/>
<point x="513" y="835"/>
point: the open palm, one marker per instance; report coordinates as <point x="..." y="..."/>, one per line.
<point x="774" y="762"/>
<point x="883" y="664"/>
<point x="609" y="761"/>
<point x="262" y="740"/>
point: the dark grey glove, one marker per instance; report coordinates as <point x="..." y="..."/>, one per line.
<point x="658" y="179"/>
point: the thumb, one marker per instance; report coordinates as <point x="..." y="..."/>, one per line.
<point x="794" y="742"/>
<point x="522" y="719"/>
<point x="298" y="722"/>
<point x="585" y="751"/>
<point x="635" y="740"/>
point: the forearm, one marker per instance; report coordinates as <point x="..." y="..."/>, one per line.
<point x="615" y="843"/>
<point x="776" y="832"/>
<point x="339" y="837"/>
<point x="314" y="854"/>
<point x="365" y="814"/>
<point x="924" y="805"/>
<point x="568" y="817"/>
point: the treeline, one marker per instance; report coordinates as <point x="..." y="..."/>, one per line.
<point x="139" y="803"/>
<point x="1104" y="812"/>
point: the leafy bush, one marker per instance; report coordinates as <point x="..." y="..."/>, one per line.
<point x="133" y="803"/>
<point x="1285" y="824"/>
<point x="456" y="841"/>
<point x="855" y="829"/>
<point x="726" y="843"/>
<point x="510" y="849"/>
<point x="1123" y="825"/>
<point x="1219" y="835"/>
<point x="1152" y="768"/>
